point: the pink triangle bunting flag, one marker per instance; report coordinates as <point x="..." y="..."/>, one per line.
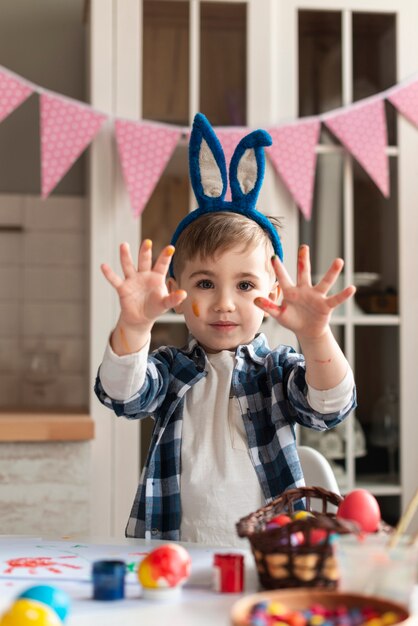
<point x="230" y="136"/>
<point x="67" y="128"/>
<point x="13" y="93"/>
<point x="144" y="150"/>
<point x="362" y="130"/>
<point x="293" y="156"/>
<point x="405" y="99"/>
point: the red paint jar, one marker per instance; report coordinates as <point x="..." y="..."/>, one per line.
<point x="228" y="574"/>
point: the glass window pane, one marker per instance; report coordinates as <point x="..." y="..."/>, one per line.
<point x="166" y="61"/>
<point x="223" y="68"/>
<point x="376" y="351"/>
<point x="324" y="233"/>
<point x="169" y="202"/>
<point x="320" y="65"/>
<point x="376" y="236"/>
<point x="374" y="58"/>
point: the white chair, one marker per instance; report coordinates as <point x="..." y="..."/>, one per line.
<point x="317" y="470"/>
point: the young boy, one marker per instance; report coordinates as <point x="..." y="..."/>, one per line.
<point x="226" y="405"/>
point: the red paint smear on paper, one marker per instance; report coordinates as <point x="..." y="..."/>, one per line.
<point x="32" y="563"/>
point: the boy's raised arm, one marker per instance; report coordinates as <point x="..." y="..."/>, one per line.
<point x="143" y="296"/>
<point x="306" y="310"/>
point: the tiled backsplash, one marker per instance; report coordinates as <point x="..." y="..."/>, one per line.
<point x="43" y="302"/>
<point x="43" y="488"/>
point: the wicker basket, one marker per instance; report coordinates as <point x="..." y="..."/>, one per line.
<point x="280" y="562"/>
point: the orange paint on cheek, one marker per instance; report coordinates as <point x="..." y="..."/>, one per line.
<point x="195" y="309"/>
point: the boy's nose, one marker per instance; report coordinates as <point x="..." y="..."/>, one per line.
<point x="224" y="302"/>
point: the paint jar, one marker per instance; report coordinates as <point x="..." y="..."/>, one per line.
<point x="109" y="580"/>
<point x="228" y="576"/>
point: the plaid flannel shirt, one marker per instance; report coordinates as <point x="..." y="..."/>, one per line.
<point x="271" y="389"/>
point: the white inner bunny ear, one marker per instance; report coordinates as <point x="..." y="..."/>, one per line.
<point x="210" y="174"/>
<point x="247" y="171"/>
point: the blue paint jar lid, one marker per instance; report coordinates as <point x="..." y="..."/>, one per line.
<point x="108" y="580"/>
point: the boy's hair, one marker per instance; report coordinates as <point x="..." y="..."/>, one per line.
<point x="217" y="232"/>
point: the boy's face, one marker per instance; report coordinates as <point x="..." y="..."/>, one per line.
<point x="219" y="309"/>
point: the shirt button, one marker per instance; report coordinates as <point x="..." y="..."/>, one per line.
<point x="154" y="531"/>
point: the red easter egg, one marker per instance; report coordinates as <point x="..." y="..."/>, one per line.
<point x="166" y="566"/>
<point x="281" y="520"/>
<point x="362" y="507"/>
<point x="318" y="535"/>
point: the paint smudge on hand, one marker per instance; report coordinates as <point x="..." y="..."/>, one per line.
<point x="124" y="341"/>
<point x="301" y="258"/>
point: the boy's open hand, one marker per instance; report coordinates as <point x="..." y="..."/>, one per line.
<point x="142" y="292"/>
<point x="306" y="309"/>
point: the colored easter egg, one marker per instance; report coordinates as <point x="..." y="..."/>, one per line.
<point x="271" y="525"/>
<point x="362" y="507"/>
<point x="302" y="515"/>
<point x="276" y="608"/>
<point x="297" y="539"/>
<point x="25" y="612"/>
<point x="281" y="519"/>
<point x="318" y="536"/>
<point x="165" y="567"/>
<point x="55" y="598"/>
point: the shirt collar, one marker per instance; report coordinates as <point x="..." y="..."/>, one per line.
<point x="256" y="350"/>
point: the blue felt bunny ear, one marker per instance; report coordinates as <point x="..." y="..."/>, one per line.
<point x="208" y="176"/>
<point x="246" y="171"/>
<point x="206" y="163"/>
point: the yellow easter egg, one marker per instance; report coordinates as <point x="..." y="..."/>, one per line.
<point x="25" y="612"/>
<point x="389" y="618"/>
<point x="276" y="608"/>
<point x="302" y="515"/>
<point x="145" y="576"/>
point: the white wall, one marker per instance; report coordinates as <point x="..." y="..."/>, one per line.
<point x="43" y="301"/>
<point x="45" y="487"/>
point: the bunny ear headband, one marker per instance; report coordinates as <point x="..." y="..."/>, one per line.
<point x="209" y="177"/>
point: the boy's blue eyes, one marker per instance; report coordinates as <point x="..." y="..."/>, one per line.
<point x="208" y="284"/>
<point x="245" y="286"/>
<point x="205" y="284"/>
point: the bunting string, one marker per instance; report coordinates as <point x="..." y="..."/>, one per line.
<point x="68" y="126"/>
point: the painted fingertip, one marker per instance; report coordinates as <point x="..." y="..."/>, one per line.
<point x="147" y="244"/>
<point x="265" y="302"/>
<point x="169" y="251"/>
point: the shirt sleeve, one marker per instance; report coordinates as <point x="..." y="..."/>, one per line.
<point x="335" y="399"/>
<point x="122" y="376"/>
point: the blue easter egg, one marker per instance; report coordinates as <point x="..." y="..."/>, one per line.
<point x="55" y="598"/>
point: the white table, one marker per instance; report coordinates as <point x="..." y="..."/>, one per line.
<point x="196" y="605"/>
